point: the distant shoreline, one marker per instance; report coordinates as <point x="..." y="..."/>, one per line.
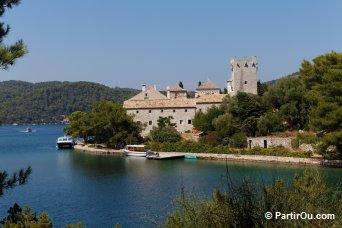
<point x="230" y="157"/>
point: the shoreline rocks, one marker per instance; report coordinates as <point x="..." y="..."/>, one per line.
<point x="231" y="157"/>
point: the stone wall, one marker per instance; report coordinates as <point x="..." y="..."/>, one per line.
<point x="178" y="94"/>
<point x="203" y="107"/>
<point x="206" y="92"/>
<point x="269" y="141"/>
<point x="181" y="116"/>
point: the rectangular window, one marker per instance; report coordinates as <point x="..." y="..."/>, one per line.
<point x="174" y="110"/>
<point x="186" y="110"/>
<point x="189" y="121"/>
<point x="150" y="122"/>
<point x="149" y="111"/>
<point x="137" y="112"/>
<point x="245" y="82"/>
<point x="162" y="110"/>
<point x="181" y="122"/>
<point x="265" y="143"/>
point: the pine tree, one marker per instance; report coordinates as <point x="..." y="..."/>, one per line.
<point x="16" y="179"/>
<point x="9" y="53"/>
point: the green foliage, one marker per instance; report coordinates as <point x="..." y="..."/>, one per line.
<point x="200" y="147"/>
<point x="245" y="205"/>
<point x="287" y="95"/>
<point x="249" y="125"/>
<point x="331" y="145"/>
<point x="23" y="102"/>
<point x="165" y="121"/>
<point x="188" y="146"/>
<point x="275" y="151"/>
<point x="295" y="143"/>
<point x="18" y="217"/>
<point x="9" y="53"/>
<point x="19" y="178"/>
<point x="165" y="134"/>
<point x="308" y="138"/>
<point x="80" y="126"/>
<point x="238" y="140"/>
<point x="326" y="101"/>
<point x="224" y="125"/>
<point x="181" y="84"/>
<point x="166" y="131"/>
<point x="261" y="88"/>
<point x="313" y="74"/>
<point x="323" y="79"/>
<point x="107" y="123"/>
<point x="204" y="121"/>
<point x="270" y="122"/>
<point x="245" y="105"/>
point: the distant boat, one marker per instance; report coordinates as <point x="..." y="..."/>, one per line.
<point x="135" y="150"/>
<point x="27" y="130"/>
<point x="65" y="142"/>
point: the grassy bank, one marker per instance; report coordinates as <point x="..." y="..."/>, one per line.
<point x="197" y="147"/>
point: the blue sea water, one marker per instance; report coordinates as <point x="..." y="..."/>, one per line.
<point x="100" y="191"/>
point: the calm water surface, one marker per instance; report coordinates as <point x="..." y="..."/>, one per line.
<point x="101" y="191"/>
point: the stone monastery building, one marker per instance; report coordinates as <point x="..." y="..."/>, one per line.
<point x="150" y="104"/>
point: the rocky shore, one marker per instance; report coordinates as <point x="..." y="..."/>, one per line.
<point x="234" y="157"/>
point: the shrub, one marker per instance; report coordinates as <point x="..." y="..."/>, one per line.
<point x="211" y="138"/>
<point x="165" y="134"/>
<point x="275" y="151"/>
<point x="188" y="146"/>
<point x="245" y="205"/>
<point x="198" y="147"/>
<point x="295" y="143"/>
<point x="238" y="140"/>
<point x="270" y="122"/>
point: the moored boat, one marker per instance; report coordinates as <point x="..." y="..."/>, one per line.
<point x="190" y="157"/>
<point x="65" y="142"/>
<point x="135" y="150"/>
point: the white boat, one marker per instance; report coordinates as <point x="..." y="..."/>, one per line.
<point x="27" y="130"/>
<point x="65" y="142"/>
<point x="135" y="150"/>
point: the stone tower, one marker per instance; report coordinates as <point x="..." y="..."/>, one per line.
<point x="244" y="76"/>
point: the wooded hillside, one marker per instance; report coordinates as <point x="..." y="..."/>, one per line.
<point x="46" y="102"/>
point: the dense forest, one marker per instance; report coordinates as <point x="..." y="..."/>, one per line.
<point x="47" y="102"/>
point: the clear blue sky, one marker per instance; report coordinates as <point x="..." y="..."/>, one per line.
<point x="126" y="43"/>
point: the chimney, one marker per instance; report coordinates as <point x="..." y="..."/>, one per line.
<point x="168" y="92"/>
<point x="143" y="87"/>
<point x="155" y="87"/>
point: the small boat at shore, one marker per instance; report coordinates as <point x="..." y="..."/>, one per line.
<point x="135" y="150"/>
<point x="190" y="157"/>
<point x="65" y="142"/>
